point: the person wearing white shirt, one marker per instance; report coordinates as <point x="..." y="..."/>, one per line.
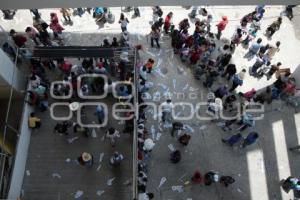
<point x="166" y="109"/>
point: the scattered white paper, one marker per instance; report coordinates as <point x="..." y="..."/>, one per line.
<point x="68" y="160"/>
<point x="78" y="194"/>
<point x="128" y="182"/>
<point x="189" y="199"/>
<point x="171" y="147"/>
<point x="103" y="138"/>
<point x="149" y="84"/>
<point x="177" y="188"/>
<point x="100" y="192"/>
<point x="158" y="135"/>
<point x="239" y="190"/>
<point x="163" y="86"/>
<point x="159" y="62"/>
<point x="152" y="132"/>
<point x="27" y="172"/>
<point x="110" y="181"/>
<point x="101" y="157"/>
<point x="71" y="140"/>
<point x="99" y="167"/>
<point x="94" y="134"/>
<point x="189" y="128"/>
<point x="174" y="83"/>
<point x="148" y="52"/>
<point x="162" y="181"/>
<point x="203" y="127"/>
<point x="178" y="114"/>
<point x="185" y="87"/>
<point x="193" y="89"/>
<point x="56" y="175"/>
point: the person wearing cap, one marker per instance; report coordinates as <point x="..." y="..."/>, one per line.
<point x="221" y="26"/>
<point x="116" y="159"/>
<point x="86" y="159"/>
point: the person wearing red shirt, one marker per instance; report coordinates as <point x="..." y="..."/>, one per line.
<point x="168" y="22"/>
<point x="221" y="26"/>
<point x="19" y="39"/>
<point x="55" y="26"/>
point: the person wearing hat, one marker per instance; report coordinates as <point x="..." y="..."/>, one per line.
<point x="221" y="26"/>
<point x="86" y="159"/>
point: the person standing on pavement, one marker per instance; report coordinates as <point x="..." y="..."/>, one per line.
<point x="66" y="13"/>
<point x="221" y="26"/>
<point x="238" y="80"/>
<point x="154" y="36"/>
<point x="32" y="34"/>
<point x="55" y="26"/>
<point x="100" y="113"/>
<point x="112" y="134"/>
<point x="167" y="108"/>
<point x="168" y="22"/>
<point x="123" y="21"/>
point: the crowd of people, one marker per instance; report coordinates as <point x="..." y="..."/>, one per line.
<point x="195" y="48"/>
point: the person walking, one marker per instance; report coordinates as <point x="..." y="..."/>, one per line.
<point x="66" y="13"/>
<point x="273" y="70"/>
<point x="32" y="34"/>
<point x="112" y="134"/>
<point x="275" y="26"/>
<point x="254" y="48"/>
<point x="238" y="80"/>
<point x="116" y="159"/>
<point x="291" y="183"/>
<point x="100" y="113"/>
<point x="221" y="26"/>
<point x="123" y="21"/>
<point x="86" y="159"/>
<point x="168" y="22"/>
<point x="230" y="70"/>
<point x="154" y="36"/>
<point x="149" y="65"/>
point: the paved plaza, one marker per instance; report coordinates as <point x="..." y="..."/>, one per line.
<point x="51" y="169"/>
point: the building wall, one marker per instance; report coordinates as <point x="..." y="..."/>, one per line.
<point x="21" y="156"/>
<point x="7" y="68"/>
<point x="26" y="4"/>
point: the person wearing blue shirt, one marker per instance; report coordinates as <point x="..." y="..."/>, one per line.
<point x="233" y="139"/>
<point x="250" y="139"/>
